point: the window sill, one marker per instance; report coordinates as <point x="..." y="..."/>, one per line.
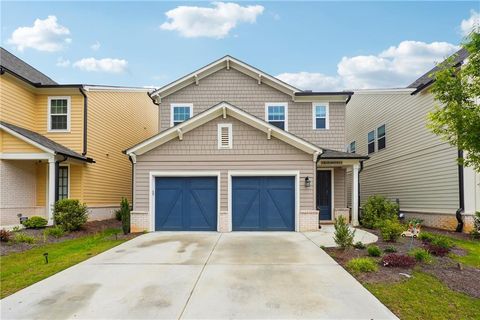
<point x="58" y="131"/>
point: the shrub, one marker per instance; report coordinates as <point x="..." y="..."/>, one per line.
<point x="358" y="265"/>
<point x="5" y="235"/>
<point x="374" y="251"/>
<point x="35" y="222"/>
<point x="23" y="237"/>
<point x="436" y="250"/>
<point x="442" y="241"/>
<point x="70" y="214"/>
<point x="476" y="226"/>
<point x="391" y="230"/>
<point x="398" y="260"/>
<point x="118" y="214"/>
<point x="377" y="209"/>
<point x="390" y="249"/>
<point x="359" y="245"/>
<point x="343" y="235"/>
<point x="55" y="232"/>
<point x="426" y="236"/>
<point x="421" y="255"/>
<point x="125" y="214"/>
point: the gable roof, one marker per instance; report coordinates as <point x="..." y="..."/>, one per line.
<point x="222" y="109"/>
<point x="41" y="142"/>
<point x="23" y="69"/>
<point x="428" y="78"/>
<point x="225" y="62"/>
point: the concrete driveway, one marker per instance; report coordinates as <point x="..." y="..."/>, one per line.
<point x="201" y="276"/>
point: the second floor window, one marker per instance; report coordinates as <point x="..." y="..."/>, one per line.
<point x="180" y="113"/>
<point x="320" y="116"/>
<point x="371" y="142"/>
<point x="276" y="114"/>
<point x="59" y="114"/>
<point x="381" y="139"/>
<point x="352" y="147"/>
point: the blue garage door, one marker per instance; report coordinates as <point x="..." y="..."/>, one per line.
<point x="188" y="204"/>
<point x="263" y="203"/>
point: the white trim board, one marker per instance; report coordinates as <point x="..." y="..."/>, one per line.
<point x="266" y="173"/>
<point x="180" y="174"/>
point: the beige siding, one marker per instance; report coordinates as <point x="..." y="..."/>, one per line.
<point x="339" y="196"/>
<point x="416" y="167"/>
<point x="198" y="151"/>
<point x="17" y="103"/>
<point x="244" y="92"/>
<point x="116" y="121"/>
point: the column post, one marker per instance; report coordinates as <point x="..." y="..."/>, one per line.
<point x="51" y="189"/>
<point x="355" y="172"/>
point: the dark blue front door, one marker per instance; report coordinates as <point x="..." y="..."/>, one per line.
<point x="188" y="204"/>
<point x="324" y="194"/>
<point x="263" y="203"/>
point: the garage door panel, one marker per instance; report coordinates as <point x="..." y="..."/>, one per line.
<point x="263" y="203"/>
<point x="183" y="203"/>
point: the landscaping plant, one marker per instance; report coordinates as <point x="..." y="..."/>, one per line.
<point x="374" y="251"/>
<point x="35" y="222"/>
<point x="359" y="245"/>
<point x="390" y="249"/>
<point x="398" y="260"/>
<point x="421" y="255"/>
<point x="23" y="237"/>
<point x="426" y="236"/>
<point x="476" y="226"/>
<point x="343" y="235"/>
<point x="56" y="232"/>
<point x="125" y="214"/>
<point x="378" y="209"/>
<point x="357" y="265"/>
<point x="436" y="250"/>
<point x="5" y="235"/>
<point x="70" y="214"/>
<point x="391" y="229"/>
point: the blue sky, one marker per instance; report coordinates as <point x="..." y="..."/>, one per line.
<point x="314" y="45"/>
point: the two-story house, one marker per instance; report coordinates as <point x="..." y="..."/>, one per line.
<point x="408" y="163"/>
<point x="238" y="149"/>
<point x="65" y="141"/>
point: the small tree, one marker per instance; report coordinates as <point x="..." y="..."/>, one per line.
<point x="457" y="120"/>
<point x="343" y="235"/>
<point x="125" y="215"/>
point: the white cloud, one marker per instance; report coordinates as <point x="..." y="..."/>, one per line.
<point x="216" y="22"/>
<point x="102" y="65"/>
<point x="44" y="35"/>
<point x="63" y="63"/>
<point x="96" y="46"/>
<point x="396" y="66"/>
<point x="470" y="24"/>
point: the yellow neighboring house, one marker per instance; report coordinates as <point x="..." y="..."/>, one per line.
<point x="66" y="141"/>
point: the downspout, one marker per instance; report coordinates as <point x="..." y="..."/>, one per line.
<point x="461" y="195"/>
<point x="85" y="118"/>
<point x="57" y="165"/>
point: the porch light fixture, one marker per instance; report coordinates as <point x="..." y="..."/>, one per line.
<point x="308" y="183"/>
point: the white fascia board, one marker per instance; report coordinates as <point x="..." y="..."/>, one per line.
<point x="23" y="138"/>
<point x="117" y="89"/>
<point x="213" y="113"/>
<point x="384" y="91"/>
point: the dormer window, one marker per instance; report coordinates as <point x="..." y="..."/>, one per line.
<point x="320" y="116"/>
<point x="180" y="112"/>
<point x="59" y="114"/>
<point x="277" y="114"/>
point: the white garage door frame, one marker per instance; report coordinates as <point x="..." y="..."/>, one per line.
<point x="265" y="173"/>
<point x="180" y="174"/>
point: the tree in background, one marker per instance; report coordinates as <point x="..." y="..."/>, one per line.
<point x="457" y="119"/>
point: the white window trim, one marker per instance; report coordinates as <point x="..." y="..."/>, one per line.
<point x="327" y="115"/>
<point x="230" y="135"/>
<point x="173" y="105"/>
<point x="279" y="104"/>
<point x="49" y="120"/>
<point x="68" y="180"/>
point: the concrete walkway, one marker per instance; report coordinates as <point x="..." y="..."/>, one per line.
<point x="324" y="237"/>
<point x="201" y="276"/>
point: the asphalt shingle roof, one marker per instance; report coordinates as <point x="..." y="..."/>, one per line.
<point x="45" y="142"/>
<point x="23" y="69"/>
<point x="334" y="154"/>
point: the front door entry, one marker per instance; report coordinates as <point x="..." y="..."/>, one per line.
<point x="324" y="194"/>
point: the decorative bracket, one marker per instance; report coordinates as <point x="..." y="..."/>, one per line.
<point x="196" y="79"/>
<point x="224" y="109"/>
<point x="269" y="134"/>
<point x="259" y="79"/>
<point x="180" y="134"/>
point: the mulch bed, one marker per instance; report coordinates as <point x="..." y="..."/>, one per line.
<point x="457" y="277"/>
<point x="90" y="228"/>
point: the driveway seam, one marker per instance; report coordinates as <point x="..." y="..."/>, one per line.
<point x="198" y="278"/>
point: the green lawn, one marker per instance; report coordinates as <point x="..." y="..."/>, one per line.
<point x="19" y="270"/>
<point x="425" y="297"/>
<point x="473" y="248"/>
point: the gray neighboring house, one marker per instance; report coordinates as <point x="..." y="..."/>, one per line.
<point x="407" y="162"/>
<point x="239" y="150"/>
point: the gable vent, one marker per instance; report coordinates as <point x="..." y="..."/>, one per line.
<point x="225" y="136"/>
